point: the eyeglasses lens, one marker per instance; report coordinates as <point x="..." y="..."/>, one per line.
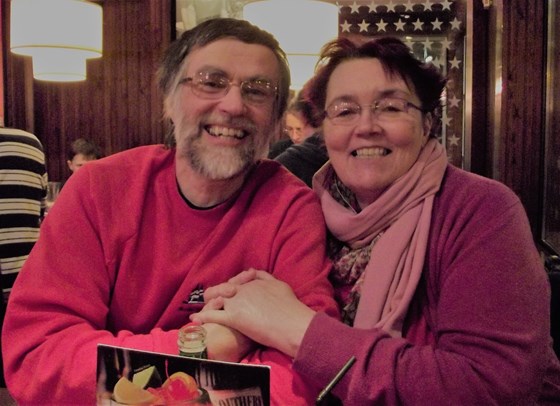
<point x="208" y="85"/>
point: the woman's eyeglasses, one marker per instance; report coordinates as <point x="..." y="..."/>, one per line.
<point x="344" y="112"/>
<point x="214" y="85"/>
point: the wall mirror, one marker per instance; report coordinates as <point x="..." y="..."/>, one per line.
<point x="551" y="201"/>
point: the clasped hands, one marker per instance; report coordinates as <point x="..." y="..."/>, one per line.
<point x="259" y="306"/>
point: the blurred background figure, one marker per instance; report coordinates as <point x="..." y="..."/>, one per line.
<point x="23" y="185"/>
<point x="81" y="152"/>
<point x="304" y="158"/>
<point x="298" y="126"/>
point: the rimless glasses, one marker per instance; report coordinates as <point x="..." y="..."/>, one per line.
<point x="345" y="112"/>
<point x="214" y="85"/>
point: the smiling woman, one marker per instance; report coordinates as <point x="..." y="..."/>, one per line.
<point x="415" y="242"/>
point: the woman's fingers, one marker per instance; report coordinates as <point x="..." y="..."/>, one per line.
<point x="229" y="288"/>
<point x="262" y="275"/>
<point x="244" y="277"/>
<point x="212" y="312"/>
<point x="214" y="304"/>
<point x="210" y="315"/>
<point x="222" y="290"/>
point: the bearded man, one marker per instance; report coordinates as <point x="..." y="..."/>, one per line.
<point x="134" y="240"/>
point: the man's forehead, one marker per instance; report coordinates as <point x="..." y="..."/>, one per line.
<point x="234" y="58"/>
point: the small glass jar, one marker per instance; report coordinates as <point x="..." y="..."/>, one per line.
<point x="192" y="341"/>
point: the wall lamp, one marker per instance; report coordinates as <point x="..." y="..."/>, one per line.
<point x="301" y="27"/>
<point x="59" y="35"/>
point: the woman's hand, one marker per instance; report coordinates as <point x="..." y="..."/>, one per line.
<point x="261" y="307"/>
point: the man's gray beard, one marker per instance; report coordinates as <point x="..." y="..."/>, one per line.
<point x="220" y="162"/>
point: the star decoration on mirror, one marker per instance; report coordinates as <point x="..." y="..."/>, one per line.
<point x="391" y="6"/>
<point x="417" y="25"/>
<point x="454" y="101"/>
<point x="400" y="25"/>
<point x="363" y="26"/>
<point x="427" y="5"/>
<point x="381" y="26"/>
<point x="436" y="25"/>
<point x="454" y="140"/>
<point x="355" y="8"/>
<point x="446" y="5"/>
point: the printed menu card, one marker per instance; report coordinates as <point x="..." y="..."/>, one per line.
<point x="132" y="377"/>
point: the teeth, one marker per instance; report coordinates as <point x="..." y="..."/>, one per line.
<point x="225" y="132"/>
<point x="377" y="151"/>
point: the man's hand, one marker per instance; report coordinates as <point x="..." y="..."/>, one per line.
<point x="226" y="344"/>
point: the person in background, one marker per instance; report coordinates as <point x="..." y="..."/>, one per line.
<point x="23" y="187"/>
<point x="444" y="297"/>
<point x="305" y="158"/>
<point x="81" y="152"/>
<point x="297" y="126"/>
<point x="198" y="211"/>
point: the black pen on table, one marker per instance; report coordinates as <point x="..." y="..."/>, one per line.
<point x="335" y="380"/>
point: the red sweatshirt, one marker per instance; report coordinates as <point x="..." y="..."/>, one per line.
<point x="123" y="260"/>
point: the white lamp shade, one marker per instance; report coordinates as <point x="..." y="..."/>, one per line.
<point x="45" y="24"/>
<point x="302" y="68"/>
<point x="59" y="65"/>
<point x="300" y="26"/>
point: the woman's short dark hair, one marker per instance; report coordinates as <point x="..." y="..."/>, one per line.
<point x="215" y="29"/>
<point x="396" y="58"/>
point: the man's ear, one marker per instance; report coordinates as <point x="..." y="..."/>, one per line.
<point x="69" y="163"/>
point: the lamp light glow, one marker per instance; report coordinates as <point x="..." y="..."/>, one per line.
<point x="302" y="68"/>
<point x="58" y="34"/>
<point x="301" y="27"/>
<point x="59" y="65"/>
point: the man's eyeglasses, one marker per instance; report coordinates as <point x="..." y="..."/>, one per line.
<point x="344" y="112"/>
<point x="214" y="85"/>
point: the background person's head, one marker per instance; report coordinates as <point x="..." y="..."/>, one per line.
<point x="301" y="121"/>
<point x="81" y="152"/>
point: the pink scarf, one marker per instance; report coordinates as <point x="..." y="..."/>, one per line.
<point x="404" y="211"/>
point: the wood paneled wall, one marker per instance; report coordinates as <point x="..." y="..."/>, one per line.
<point x="518" y="141"/>
<point x="118" y="106"/>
